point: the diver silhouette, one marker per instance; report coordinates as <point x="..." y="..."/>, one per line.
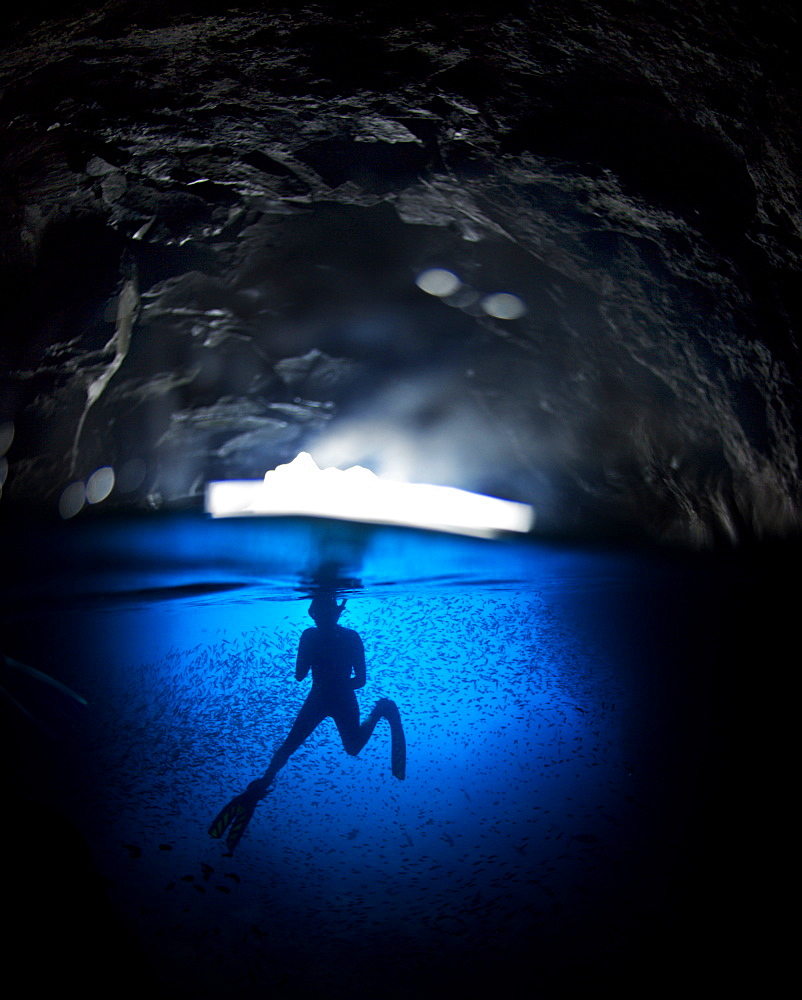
<point x="336" y="657"/>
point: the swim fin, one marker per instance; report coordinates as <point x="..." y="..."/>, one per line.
<point x="234" y="817"/>
<point x="398" y="743"/>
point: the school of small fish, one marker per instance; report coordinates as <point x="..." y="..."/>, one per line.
<point x="514" y="822"/>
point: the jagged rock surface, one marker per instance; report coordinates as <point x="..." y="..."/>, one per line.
<point x="212" y="220"/>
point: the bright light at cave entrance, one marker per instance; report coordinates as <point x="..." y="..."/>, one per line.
<point x="356" y="494"/>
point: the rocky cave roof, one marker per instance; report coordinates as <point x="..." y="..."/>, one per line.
<point x="214" y="220"/>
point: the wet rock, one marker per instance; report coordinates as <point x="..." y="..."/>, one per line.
<point x="274" y="183"/>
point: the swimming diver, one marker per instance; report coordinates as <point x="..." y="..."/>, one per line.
<point x="336" y="658"/>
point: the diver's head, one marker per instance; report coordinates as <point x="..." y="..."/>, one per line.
<point x="325" y="610"/>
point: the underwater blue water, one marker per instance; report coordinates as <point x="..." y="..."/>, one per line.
<point x="553" y="751"/>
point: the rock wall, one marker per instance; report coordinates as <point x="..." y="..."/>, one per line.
<point x="214" y="219"/>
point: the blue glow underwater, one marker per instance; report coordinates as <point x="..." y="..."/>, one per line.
<point x="559" y="715"/>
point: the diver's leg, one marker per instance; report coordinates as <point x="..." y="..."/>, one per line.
<point x="309" y="718"/>
<point x="355" y="736"/>
<point x="346" y="718"/>
<point x="235" y="816"/>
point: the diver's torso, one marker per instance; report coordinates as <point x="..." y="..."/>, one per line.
<point x="332" y="653"/>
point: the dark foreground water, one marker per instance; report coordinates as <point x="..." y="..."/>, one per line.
<point x="586" y="798"/>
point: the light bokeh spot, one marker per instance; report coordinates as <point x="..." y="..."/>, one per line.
<point x="131" y="475"/>
<point x="503" y="305"/>
<point x="100" y="484"/>
<point x="437" y="281"/>
<point x="6" y="435"/>
<point x="72" y="499"/>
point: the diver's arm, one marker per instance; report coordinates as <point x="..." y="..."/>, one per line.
<point x="360" y="673"/>
<point x="303" y="660"/>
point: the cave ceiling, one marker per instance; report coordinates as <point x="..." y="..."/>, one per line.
<point x="215" y="219"/>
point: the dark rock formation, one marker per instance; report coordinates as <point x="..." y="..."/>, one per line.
<point x="213" y="219"/>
